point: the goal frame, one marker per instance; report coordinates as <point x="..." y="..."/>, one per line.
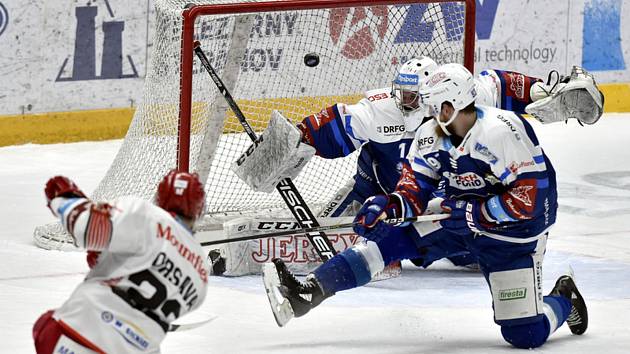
<point x="191" y="13"/>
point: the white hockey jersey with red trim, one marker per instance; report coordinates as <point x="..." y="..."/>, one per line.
<point x="150" y="272"/>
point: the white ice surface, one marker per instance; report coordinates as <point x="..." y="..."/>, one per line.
<point x="439" y="310"/>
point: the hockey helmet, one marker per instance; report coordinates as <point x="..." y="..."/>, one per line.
<point x="405" y="89"/>
<point x="181" y="193"/>
<point x="451" y="83"/>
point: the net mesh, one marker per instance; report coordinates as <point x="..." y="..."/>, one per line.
<point x="359" y="49"/>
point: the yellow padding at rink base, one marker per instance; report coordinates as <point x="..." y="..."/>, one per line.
<point x="65" y="127"/>
<point x="258" y="112"/>
<point x="616" y="97"/>
<point x="106" y="124"/>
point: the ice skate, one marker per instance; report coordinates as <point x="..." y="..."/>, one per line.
<point x="578" y="319"/>
<point x="288" y="296"/>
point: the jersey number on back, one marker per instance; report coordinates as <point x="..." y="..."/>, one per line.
<point x="159" y="295"/>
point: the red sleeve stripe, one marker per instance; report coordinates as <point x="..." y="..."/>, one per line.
<point x="73" y="215"/>
<point x="408" y="188"/>
<point x="77" y="337"/>
<point x="99" y="230"/>
<point x="322" y="118"/>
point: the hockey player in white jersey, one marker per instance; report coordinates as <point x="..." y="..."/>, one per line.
<point x="382" y="126"/>
<point x="148" y="269"/>
<point x="500" y="190"/>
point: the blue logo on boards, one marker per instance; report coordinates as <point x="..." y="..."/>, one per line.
<point x="601" y="30"/>
<point x="416" y="28"/>
<point x="601" y="37"/>
<point x="484" y="17"/>
<point x="4" y="18"/>
<point x="84" y="58"/>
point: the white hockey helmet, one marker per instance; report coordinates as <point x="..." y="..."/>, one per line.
<point x="405" y="89"/>
<point x="451" y="83"/>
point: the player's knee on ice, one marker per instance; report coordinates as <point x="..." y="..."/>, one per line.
<point x="526" y="336"/>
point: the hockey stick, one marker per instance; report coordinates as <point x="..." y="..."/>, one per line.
<point x="186" y="326"/>
<point x="286" y="188"/>
<point x="421" y="218"/>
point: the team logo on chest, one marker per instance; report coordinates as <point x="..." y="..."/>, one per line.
<point x="469" y="180"/>
<point x="424" y="142"/>
<point x="388" y="130"/>
<point x="483" y="150"/>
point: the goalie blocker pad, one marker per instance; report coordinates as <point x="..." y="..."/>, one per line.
<point x="579" y="99"/>
<point x="278" y="154"/>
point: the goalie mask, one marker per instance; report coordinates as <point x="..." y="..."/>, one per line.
<point x="181" y="193"/>
<point x="451" y="83"/>
<point x="405" y="90"/>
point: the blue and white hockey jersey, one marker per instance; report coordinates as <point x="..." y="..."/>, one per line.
<point x="498" y="161"/>
<point x="376" y="125"/>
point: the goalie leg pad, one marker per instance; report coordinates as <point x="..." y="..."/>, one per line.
<point x="248" y="257"/>
<point x="278" y="154"/>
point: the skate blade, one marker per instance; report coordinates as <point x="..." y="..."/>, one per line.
<point x="280" y="306"/>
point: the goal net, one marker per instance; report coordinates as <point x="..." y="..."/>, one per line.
<point x="258" y="50"/>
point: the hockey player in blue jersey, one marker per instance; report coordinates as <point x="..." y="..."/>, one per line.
<point x="500" y="190"/>
<point x="382" y="125"/>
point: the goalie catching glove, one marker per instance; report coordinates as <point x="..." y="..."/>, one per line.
<point x="575" y="96"/>
<point x="279" y="153"/>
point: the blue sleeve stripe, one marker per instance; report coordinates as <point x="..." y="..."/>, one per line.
<point x="539" y="159"/>
<point x="496" y="210"/>
<point x="529" y="130"/>
<point x="348" y="122"/>
<point x="339" y="139"/>
<point x="420" y="162"/>
<point x="506" y="101"/>
<point x="542" y="183"/>
<point x="504" y="175"/>
<point x="337" y="129"/>
<point x="62" y="208"/>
